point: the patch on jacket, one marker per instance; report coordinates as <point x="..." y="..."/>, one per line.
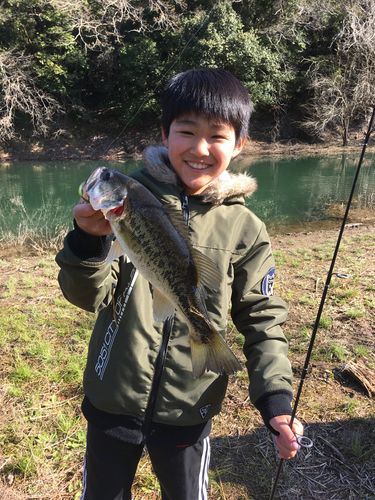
<point x="267" y="283"/>
<point x="204" y="410"/>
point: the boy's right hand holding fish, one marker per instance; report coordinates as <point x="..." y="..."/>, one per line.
<point x="91" y="221"/>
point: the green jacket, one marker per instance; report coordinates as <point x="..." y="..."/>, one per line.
<point x="126" y="346"/>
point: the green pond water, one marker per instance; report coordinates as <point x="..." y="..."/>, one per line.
<point x="294" y="193"/>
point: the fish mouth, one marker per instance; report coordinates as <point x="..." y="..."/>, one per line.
<point x="93" y="179"/>
<point x="105" y="201"/>
<point x="103" y="191"/>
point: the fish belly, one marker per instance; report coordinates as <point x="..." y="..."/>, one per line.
<point x="164" y="259"/>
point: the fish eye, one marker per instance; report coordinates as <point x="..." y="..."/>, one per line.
<point x="106" y="175"/>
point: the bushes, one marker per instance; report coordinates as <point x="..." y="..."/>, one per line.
<point x="113" y="57"/>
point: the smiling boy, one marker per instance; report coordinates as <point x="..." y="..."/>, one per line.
<point x="200" y="150"/>
<point x="139" y="389"/>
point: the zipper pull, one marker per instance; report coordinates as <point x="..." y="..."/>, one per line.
<point x="185" y="208"/>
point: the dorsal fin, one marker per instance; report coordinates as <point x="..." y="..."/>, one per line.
<point x="178" y="222"/>
<point x="208" y="274"/>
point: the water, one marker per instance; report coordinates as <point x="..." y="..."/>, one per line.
<point x="38" y="197"/>
<point x="294" y="193"/>
<point x="304" y="193"/>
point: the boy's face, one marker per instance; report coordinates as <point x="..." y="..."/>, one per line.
<point x="200" y="150"/>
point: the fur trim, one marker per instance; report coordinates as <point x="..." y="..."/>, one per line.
<point x="157" y="163"/>
<point x="227" y="185"/>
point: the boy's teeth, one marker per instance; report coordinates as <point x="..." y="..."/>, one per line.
<point x="198" y="166"/>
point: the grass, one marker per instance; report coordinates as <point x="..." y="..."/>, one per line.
<point x="44" y="341"/>
<point x="29" y="228"/>
<point x="325" y="322"/>
<point x="337" y="351"/>
<point x="356" y="312"/>
<point x="43" y="356"/>
<point x="361" y="350"/>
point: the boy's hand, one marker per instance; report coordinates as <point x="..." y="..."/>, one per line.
<point x="91" y="221"/>
<point x="286" y="442"/>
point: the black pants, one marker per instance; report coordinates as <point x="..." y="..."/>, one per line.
<point x="110" y="466"/>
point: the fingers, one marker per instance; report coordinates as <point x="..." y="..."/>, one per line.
<point x="91" y="221"/>
<point x="285" y="449"/>
<point x="286" y="442"/>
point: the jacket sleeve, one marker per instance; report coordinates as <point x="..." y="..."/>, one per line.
<point x="84" y="278"/>
<point x="258" y="315"/>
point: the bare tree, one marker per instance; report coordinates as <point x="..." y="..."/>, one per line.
<point x="20" y="93"/>
<point x="344" y="89"/>
<point x="95" y="25"/>
<point x="292" y="23"/>
<point x="290" y="17"/>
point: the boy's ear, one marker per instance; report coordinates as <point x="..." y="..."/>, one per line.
<point x="164" y="137"/>
<point x="237" y="150"/>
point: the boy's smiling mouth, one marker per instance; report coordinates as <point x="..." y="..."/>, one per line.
<point x="197" y="166"/>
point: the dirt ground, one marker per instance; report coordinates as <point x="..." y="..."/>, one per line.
<point x="337" y="410"/>
<point x="340" y="465"/>
<point x="112" y="143"/>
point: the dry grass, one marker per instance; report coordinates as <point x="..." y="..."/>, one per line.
<point x="44" y="341"/>
<point x="41" y="244"/>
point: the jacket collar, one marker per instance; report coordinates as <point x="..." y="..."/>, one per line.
<point x="227" y="185"/>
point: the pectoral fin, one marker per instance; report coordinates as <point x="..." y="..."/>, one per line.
<point x="208" y="274"/>
<point x="162" y="308"/>
<point x="115" y="252"/>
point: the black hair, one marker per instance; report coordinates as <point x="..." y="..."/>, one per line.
<point x="215" y="93"/>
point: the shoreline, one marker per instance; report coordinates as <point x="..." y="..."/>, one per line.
<point x="280" y="239"/>
<point x="94" y="149"/>
<point x="123" y="147"/>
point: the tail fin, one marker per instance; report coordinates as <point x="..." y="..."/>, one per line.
<point x="213" y="354"/>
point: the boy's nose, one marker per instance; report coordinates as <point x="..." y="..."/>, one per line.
<point x="200" y="147"/>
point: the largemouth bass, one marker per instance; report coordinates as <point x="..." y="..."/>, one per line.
<point x="158" y="246"/>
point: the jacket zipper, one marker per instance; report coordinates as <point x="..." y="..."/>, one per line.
<point x="160" y="359"/>
<point x="159" y="365"/>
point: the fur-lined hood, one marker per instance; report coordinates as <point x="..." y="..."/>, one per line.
<point x="227" y="185"/>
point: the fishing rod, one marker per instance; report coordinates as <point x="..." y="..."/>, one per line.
<point x="320" y="310"/>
